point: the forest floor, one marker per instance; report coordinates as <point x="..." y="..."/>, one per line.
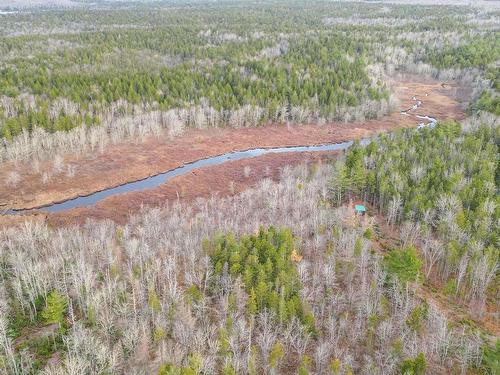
<point x="432" y="289"/>
<point x="131" y="161"/>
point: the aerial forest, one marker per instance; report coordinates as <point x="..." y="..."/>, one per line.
<point x="379" y="257"/>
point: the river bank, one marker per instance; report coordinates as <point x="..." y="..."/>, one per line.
<point x="130" y="161"/>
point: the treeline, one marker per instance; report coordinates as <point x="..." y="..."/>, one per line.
<point x="489" y="100"/>
<point x="173" y="60"/>
<point x="478" y="51"/>
<point x="32" y="119"/>
<point x="313" y="72"/>
<point x="300" y="54"/>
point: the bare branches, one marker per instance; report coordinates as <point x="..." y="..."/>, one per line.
<point x="148" y="288"/>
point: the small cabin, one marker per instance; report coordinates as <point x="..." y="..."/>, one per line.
<point x="360" y="209"/>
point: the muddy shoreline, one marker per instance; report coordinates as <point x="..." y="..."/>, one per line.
<point x="133" y="161"/>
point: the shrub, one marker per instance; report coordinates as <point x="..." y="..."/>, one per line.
<point x="414" y="366"/>
<point x="417" y="317"/>
<point x="404" y="264"/>
<point x="277" y="354"/>
<point x="491" y="359"/>
<point x="369" y="234"/>
<point x="193" y="367"/>
<point x="55" y="308"/>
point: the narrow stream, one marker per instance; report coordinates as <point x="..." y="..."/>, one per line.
<point x="159" y="179"/>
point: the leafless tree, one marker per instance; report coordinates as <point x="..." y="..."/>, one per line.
<point x="394" y="210"/>
<point x="433" y="252"/>
<point x="129" y="284"/>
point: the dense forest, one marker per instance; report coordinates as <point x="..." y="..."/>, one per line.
<point x="183" y="64"/>
<point x="285" y="277"/>
<point x="444" y="182"/>
<point x="230" y="64"/>
<point x="217" y="288"/>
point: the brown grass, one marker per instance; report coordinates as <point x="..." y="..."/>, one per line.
<point x="130" y="161"/>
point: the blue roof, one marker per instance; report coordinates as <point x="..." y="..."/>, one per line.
<point x="360" y="207"/>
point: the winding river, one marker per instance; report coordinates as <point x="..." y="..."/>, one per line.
<point x="159" y="179"/>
